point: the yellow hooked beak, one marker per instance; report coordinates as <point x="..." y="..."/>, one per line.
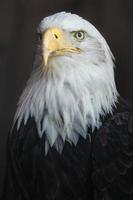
<point x="56" y="42"/>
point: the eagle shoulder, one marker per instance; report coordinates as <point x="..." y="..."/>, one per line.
<point x="113" y="157"/>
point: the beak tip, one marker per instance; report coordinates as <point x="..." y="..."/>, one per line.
<point x="46" y="56"/>
<point x="45" y="62"/>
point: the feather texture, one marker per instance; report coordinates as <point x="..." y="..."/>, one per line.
<point x="113" y="157"/>
<point x="76" y="90"/>
<point x="96" y="170"/>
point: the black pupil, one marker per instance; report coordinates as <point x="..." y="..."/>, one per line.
<point x="79" y="34"/>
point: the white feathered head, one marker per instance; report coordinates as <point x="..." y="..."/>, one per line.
<point x="72" y="85"/>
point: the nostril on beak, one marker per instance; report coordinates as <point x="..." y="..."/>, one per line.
<point x="56" y="36"/>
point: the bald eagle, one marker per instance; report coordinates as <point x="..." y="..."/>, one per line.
<point x="72" y="136"/>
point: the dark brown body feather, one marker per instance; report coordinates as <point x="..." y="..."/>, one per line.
<point x="98" y="170"/>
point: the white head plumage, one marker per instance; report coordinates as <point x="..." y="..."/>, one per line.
<point x="76" y="90"/>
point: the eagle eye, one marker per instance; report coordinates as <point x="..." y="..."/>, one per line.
<point x="79" y="35"/>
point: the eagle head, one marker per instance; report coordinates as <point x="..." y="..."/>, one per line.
<point x="72" y="85"/>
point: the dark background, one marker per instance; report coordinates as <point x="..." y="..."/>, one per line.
<point x="18" y="22"/>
